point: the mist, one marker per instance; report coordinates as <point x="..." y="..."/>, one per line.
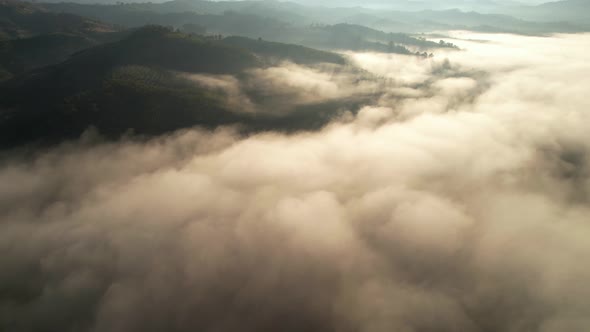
<point x="457" y="199"/>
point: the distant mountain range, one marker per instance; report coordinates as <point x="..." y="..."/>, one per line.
<point x="575" y="11"/>
<point x="23" y="19"/>
<point x="563" y="16"/>
<point x="535" y="10"/>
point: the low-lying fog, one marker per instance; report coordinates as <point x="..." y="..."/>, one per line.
<point x="458" y="201"/>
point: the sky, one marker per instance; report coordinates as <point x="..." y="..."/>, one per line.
<point x="434" y="2"/>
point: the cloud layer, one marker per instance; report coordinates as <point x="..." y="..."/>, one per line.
<point x="456" y="201"/>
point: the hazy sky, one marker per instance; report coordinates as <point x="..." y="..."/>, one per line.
<point x="437" y="2"/>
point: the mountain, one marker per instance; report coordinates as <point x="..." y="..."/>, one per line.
<point x="456" y="19"/>
<point x="262" y="25"/>
<point x="286" y="21"/>
<point x="140" y="83"/>
<point x="360" y="38"/>
<point x="280" y="51"/>
<point x="576" y="11"/>
<point x="18" y="56"/>
<point x="23" y="19"/>
<point x="32" y="37"/>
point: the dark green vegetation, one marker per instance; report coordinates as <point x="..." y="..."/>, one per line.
<point x="133" y="85"/>
<point x="279" y="51"/>
<point x="65" y="73"/>
<point x="32" y="37"/>
<point x="359" y="38"/>
<point x="20" y="55"/>
<point x="22" y="19"/>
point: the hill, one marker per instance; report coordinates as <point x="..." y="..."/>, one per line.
<point x="22" y="19"/>
<point x="20" y="55"/>
<point x="134" y="84"/>
<point x="284" y="21"/>
<point x="33" y="37"/>
<point x="576" y="11"/>
<point x="240" y="18"/>
<point x="294" y="53"/>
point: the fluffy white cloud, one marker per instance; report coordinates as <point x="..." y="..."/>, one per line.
<point x="461" y="206"/>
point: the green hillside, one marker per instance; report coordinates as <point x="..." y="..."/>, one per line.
<point x="295" y="53"/>
<point x="134" y="84"/>
<point x="23" y="19"/>
<point x="20" y="55"/>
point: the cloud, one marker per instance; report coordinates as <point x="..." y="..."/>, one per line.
<point x="434" y="211"/>
<point x="228" y="85"/>
<point x="281" y="89"/>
